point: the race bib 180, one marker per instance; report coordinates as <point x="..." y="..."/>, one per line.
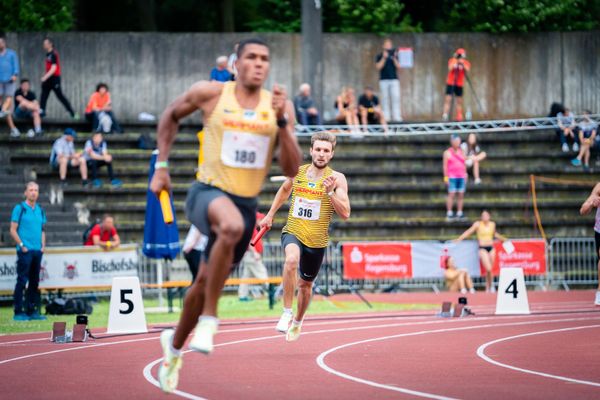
<point x="245" y="150"/>
<point x="307" y="209"/>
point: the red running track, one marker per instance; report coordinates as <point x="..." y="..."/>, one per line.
<point x="551" y="355"/>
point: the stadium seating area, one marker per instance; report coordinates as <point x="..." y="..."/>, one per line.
<point x="396" y="186"/>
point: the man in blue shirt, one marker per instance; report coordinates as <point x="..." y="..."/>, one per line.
<point x="27" y="225"/>
<point x="9" y="71"/>
<point x="220" y="73"/>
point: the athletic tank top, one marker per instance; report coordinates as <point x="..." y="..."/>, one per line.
<point x="597" y="225"/>
<point x="456" y="164"/>
<point x="237" y="146"/>
<point x="310" y="210"/>
<point x="486" y="233"/>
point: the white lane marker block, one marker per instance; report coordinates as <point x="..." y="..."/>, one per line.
<point x="512" y="292"/>
<point x="126" y="312"/>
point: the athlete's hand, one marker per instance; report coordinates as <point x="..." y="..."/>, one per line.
<point x="330" y="183"/>
<point x="278" y="101"/>
<point x="266" y="221"/>
<point x="596" y="201"/>
<point x="160" y="181"/>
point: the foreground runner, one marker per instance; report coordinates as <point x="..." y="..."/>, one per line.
<point x="317" y="191"/>
<point x="593" y="201"/>
<point x="242" y="124"/>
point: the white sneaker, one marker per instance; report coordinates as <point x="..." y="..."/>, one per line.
<point x="203" y="336"/>
<point x="575" y="147"/>
<point x="445" y="117"/>
<point x="30" y="133"/>
<point x="472" y="290"/>
<point x="597" y="302"/>
<point x="14" y="132"/>
<point x="478" y="181"/>
<point x="463" y="291"/>
<point x="565" y="148"/>
<point x="284" y="322"/>
<point x="293" y="333"/>
<point x="168" y="372"/>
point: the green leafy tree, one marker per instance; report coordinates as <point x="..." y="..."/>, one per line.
<point x="277" y="16"/>
<point x="379" y="16"/>
<point x="35" y="15"/>
<point x="499" y="16"/>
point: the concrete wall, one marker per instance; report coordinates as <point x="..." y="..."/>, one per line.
<point x="513" y="75"/>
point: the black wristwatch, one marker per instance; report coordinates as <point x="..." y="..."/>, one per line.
<point x="282" y="123"/>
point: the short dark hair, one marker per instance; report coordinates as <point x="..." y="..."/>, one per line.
<point x="106" y="216"/>
<point x="24" y="80"/>
<point x="243" y="43"/>
<point x="48" y="38"/>
<point x="101" y="85"/>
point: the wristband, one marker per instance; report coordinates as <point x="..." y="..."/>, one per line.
<point x="21" y="244"/>
<point x="446" y="179"/>
<point x="161" y="164"/>
<point x="331" y="193"/>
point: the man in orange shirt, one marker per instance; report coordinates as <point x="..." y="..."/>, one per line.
<point x="99" y="111"/>
<point x="458" y="66"/>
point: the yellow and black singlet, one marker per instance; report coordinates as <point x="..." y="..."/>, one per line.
<point x="310" y="210"/>
<point x="237" y="146"/>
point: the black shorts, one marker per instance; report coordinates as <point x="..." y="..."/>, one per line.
<point x="487" y="248"/>
<point x="454" y="90"/>
<point x="597" y="237"/>
<point x="198" y="199"/>
<point x="310" y="258"/>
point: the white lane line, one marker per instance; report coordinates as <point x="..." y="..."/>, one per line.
<point x="321" y="358"/>
<point x="481" y="354"/>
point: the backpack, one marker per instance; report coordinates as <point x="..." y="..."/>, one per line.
<point x="145" y="142"/>
<point x="86" y="233"/>
<point x="61" y="306"/>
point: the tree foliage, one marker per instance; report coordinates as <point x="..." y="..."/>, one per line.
<point x="379" y="16"/>
<point x="277" y="16"/>
<point x="32" y="15"/>
<point x="500" y="16"/>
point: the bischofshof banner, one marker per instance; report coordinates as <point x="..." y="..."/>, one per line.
<point x="75" y="266"/>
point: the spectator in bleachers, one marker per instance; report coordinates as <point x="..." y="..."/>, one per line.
<point x="99" y="111"/>
<point x="306" y="109"/>
<point x="593" y="201"/>
<point x="27" y="229"/>
<point x="455" y="177"/>
<point x="26" y="106"/>
<point x="587" y="130"/>
<point x="458" y="66"/>
<point x="474" y="155"/>
<point x="64" y="156"/>
<point x="220" y="73"/>
<point x="566" y="129"/>
<point x="51" y="80"/>
<point x="96" y="155"/>
<point x="457" y="279"/>
<point x="231" y="62"/>
<point x="9" y="72"/>
<point x="369" y="109"/>
<point x="388" y="65"/>
<point x="104" y="234"/>
<point x="486" y="232"/>
<point x="345" y="104"/>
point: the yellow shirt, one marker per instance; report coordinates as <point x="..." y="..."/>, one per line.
<point x="310" y="210"/>
<point x="238" y="144"/>
<point x="486" y="233"/>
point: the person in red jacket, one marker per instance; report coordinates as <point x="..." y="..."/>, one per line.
<point x="104" y="234"/>
<point x="51" y="80"/>
<point x="458" y="66"/>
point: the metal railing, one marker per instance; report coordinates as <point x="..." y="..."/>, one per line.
<point x="440" y="128"/>
<point x="573" y="261"/>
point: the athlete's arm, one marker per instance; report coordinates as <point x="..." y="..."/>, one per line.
<point x="281" y="197"/>
<point x="468" y="232"/>
<point x="592" y="202"/>
<point x="201" y="95"/>
<point x="500" y="237"/>
<point x="337" y="185"/>
<point x="290" y="155"/>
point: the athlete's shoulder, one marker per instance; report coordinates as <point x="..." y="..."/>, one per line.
<point x="206" y="89"/>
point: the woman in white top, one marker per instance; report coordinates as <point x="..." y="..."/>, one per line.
<point x="474" y="155"/>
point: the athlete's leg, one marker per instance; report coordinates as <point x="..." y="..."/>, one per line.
<point x="228" y="224"/>
<point x="290" y="271"/>
<point x="192" y="307"/>
<point x="484" y="256"/>
<point x="304" y="297"/>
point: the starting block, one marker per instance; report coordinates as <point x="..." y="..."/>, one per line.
<point x="458" y="310"/>
<point x="59" y="329"/>
<point x="60" y="334"/>
<point x="79" y="333"/>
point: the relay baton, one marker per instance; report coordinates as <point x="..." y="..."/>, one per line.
<point x="165" y="205"/>
<point x="258" y="235"/>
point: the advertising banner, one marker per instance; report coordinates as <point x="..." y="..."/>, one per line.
<point x="74" y="266"/>
<point x="372" y="260"/>
<point x="530" y="255"/>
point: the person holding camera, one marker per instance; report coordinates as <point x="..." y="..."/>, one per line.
<point x="458" y="66"/>
<point x="387" y="64"/>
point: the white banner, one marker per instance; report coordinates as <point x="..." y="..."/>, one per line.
<point x="427" y="257"/>
<point x="75" y="266"/>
